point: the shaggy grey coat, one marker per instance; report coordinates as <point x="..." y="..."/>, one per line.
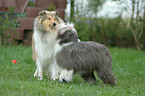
<point x="86" y="57"/>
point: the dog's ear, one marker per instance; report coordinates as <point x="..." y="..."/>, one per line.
<point x="43" y="12"/>
<point x="56" y="13"/>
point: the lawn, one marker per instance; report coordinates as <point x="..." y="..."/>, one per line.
<point x="17" y="79"/>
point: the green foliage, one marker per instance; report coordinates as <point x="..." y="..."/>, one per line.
<point x="137" y="7"/>
<point x="94" y="5"/>
<point x="17" y="79"/>
<point x="109" y="31"/>
<point x="31" y="4"/>
<point x="51" y="7"/>
<point x="7" y="24"/>
<point x="23" y="15"/>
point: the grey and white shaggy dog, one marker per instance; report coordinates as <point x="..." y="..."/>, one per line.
<point x="84" y="57"/>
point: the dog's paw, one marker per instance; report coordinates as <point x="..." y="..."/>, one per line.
<point x="66" y="76"/>
<point x="62" y="81"/>
<point x="55" y="78"/>
<point x="40" y="78"/>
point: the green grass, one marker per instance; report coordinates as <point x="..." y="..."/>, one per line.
<point x="17" y="79"/>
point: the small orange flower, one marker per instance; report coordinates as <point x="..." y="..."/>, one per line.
<point x="14" y="61"/>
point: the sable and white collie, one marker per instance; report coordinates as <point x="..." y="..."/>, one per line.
<point x="82" y="57"/>
<point x="44" y="41"/>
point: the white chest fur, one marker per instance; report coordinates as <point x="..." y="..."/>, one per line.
<point x="44" y="46"/>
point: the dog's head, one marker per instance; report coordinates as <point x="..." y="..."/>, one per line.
<point x="48" y="20"/>
<point x="63" y="27"/>
<point x="66" y="33"/>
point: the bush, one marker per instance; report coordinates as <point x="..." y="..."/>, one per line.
<point x="7" y="24"/>
<point x="109" y="31"/>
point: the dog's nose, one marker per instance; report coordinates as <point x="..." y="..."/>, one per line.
<point x="54" y="24"/>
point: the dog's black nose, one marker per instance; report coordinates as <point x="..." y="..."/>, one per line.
<point x="54" y="24"/>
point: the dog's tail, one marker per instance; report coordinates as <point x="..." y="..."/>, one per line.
<point x="106" y="75"/>
<point x="105" y="71"/>
<point x="104" y="68"/>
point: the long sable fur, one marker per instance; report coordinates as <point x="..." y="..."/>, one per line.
<point x="86" y="57"/>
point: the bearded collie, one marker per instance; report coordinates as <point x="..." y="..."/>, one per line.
<point x="82" y="58"/>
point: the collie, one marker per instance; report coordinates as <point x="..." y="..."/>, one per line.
<point x="44" y="41"/>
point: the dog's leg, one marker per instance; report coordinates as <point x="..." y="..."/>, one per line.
<point x="89" y="77"/>
<point x="34" y="53"/>
<point x="39" y="70"/>
<point x="66" y="75"/>
<point x="36" y="73"/>
<point x="53" y="71"/>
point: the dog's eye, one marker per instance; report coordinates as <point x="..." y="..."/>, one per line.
<point x="49" y="18"/>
